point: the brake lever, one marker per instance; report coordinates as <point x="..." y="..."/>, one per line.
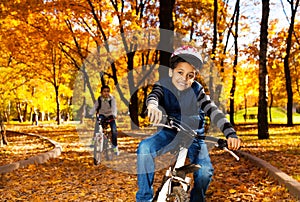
<point x="170" y="126"/>
<point x="232" y="153"/>
<point x="222" y="144"/>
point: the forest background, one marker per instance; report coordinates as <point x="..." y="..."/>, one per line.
<point x="56" y="54"/>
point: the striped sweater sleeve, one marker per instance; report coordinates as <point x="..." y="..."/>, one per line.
<point x="155" y="95"/>
<point x="216" y="115"/>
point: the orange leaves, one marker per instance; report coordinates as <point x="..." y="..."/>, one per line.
<point x="232" y="191"/>
<point x="281" y="150"/>
<point x="73" y="177"/>
<point x="22" y="147"/>
<point x="242" y="188"/>
<point x="242" y="181"/>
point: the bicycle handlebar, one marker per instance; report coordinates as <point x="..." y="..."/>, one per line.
<point x="222" y="144"/>
<point x="172" y="123"/>
<point x="106" y="119"/>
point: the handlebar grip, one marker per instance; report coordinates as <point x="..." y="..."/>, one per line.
<point x="222" y="143"/>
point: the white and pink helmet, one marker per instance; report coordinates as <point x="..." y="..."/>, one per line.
<point x="190" y="55"/>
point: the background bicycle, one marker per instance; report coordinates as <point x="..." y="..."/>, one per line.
<point x="102" y="141"/>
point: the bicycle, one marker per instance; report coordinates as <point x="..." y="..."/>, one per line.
<point x="103" y="146"/>
<point x="175" y="183"/>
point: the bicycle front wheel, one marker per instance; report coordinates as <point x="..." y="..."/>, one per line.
<point x="178" y="195"/>
<point x="98" y="148"/>
<point x="108" y="150"/>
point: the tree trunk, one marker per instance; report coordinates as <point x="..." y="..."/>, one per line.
<point x="270" y="106"/>
<point x="214" y="47"/>
<point x="234" y="71"/>
<point x="287" y="73"/>
<point x="144" y="107"/>
<point x="3" y="138"/>
<point x="133" y="110"/>
<point x="19" y="110"/>
<point x="24" y="112"/>
<point x="82" y="111"/>
<point x="246" y="107"/>
<point x="57" y="106"/>
<point x="7" y="112"/>
<point x="133" y="105"/>
<point x="263" y="128"/>
<point x="166" y="35"/>
<point x="231" y="104"/>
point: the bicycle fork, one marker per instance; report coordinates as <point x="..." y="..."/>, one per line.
<point x="99" y="139"/>
<point x="177" y="175"/>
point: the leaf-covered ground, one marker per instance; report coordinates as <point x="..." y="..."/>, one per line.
<point x="22" y="147"/>
<point x="73" y="177"/>
<point x="281" y="150"/>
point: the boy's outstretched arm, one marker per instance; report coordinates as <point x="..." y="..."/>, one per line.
<point x="218" y="118"/>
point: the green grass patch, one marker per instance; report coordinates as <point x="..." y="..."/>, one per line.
<point x="278" y="116"/>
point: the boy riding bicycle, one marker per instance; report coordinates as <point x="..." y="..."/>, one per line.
<point x="185" y="99"/>
<point x="106" y="108"/>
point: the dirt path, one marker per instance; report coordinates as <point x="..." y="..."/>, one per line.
<point x="73" y="177"/>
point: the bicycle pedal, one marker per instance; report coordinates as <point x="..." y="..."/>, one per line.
<point x="188" y="168"/>
<point x="116" y="151"/>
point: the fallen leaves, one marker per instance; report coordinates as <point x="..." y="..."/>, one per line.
<point x="243" y="181"/>
<point x="73" y="177"/>
<point x="281" y="150"/>
<point x="22" y="147"/>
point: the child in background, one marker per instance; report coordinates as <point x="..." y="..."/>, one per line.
<point x="105" y="107"/>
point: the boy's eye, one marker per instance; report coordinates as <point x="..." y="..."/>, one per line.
<point x="188" y="76"/>
<point x="191" y="76"/>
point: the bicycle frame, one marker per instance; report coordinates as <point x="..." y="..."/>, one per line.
<point x="175" y="176"/>
<point x="98" y="147"/>
<point x="99" y="138"/>
<point x="171" y="176"/>
<point x="102" y="142"/>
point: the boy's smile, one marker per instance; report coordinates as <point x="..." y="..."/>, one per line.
<point x="182" y="75"/>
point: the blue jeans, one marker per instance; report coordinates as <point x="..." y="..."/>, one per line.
<point x="113" y="127"/>
<point x="150" y="147"/>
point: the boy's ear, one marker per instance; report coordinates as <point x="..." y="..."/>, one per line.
<point x="170" y="72"/>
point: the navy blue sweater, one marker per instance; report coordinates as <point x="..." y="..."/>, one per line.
<point x="189" y="105"/>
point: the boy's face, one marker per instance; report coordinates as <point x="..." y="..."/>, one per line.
<point x="105" y="92"/>
<point x="183" y="75"/>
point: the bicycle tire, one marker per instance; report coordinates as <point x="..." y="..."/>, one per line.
<point x="108" y="150"/>
<point x="98" y="148"/>
<point x="178" y="195"/>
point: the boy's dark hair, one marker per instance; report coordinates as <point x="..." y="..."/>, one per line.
<point x="175" y="60"/>
<point x="187" y="54"/>
<point x="105" y="87"/>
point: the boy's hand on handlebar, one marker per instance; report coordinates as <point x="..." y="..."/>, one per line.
<point x="154" y="114"/>
<point x="233" y="143"/>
